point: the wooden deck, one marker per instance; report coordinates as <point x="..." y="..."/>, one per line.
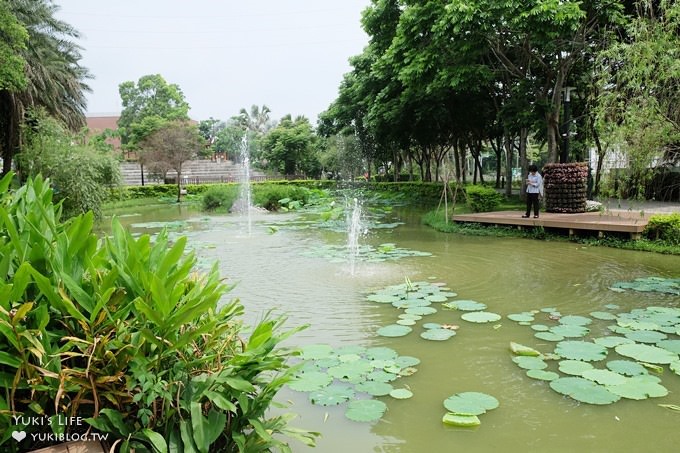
<point x="630" y="222"/>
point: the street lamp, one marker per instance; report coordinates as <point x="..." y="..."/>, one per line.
<point x="564" y="156"/>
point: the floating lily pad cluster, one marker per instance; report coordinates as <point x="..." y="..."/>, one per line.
<point x="604" y="369"/>
<point x="474" y="311"/>
<point x="415" y="300"/>
<point x="353" y="375"/>
<point x="464" y="408"/>
<point x="650" y="284"/>
<point x="384" y="252"/>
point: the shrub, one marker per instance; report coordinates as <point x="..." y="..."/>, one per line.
<point x="125" y="334"/>
<point x="269" y="196"/>
<point x="220" y="197"/>
<point x="665" y="227"/>
<point x="482" y="199"/>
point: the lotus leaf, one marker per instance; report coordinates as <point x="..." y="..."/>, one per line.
<point x="521" y="317"/>
<point x="351" y="370"/>
<point x="481" y="316"/>
<point x="646" y="336"/>
<point x="581" y="350"/>
<point x="548" y="336"/>
<point x="638" y="325"/>
<point x="383" y="298"/>
<point x="436" y="298"/>
<point x="612" y="307"/>
<point x="411" y="303"/>
<point x="365" y="410"/>
<point x="432" y="325"/>
<point x="603" y="315"/>
<point x="470" y="403"/>
<point x="394" y="330"/>
<point x="574" y="367"/>
<point x="332" y="395"/>
<point x="381" y="364"/>
<point x="542" y="375"/>
<point x="612" y="341"/>
<point x="406" y="361"/>
<point x="408" y="371"/>
<point x="374" y="388"/>
<point x="349" y="357"/>
<point x="675" y="367"/>
<point x="638" y="388"/>
<point x="421" y="311"/>
<point x="381" y="376"/>
<point x="381" y="353"/>
<point x="311" y="365"/>
<point x="573" y="320"/>
<point x="626" y="367"/>
<point x="401" y="394"/>
<point x="570" y="330"/>
<point x="406" y="322"/>
<point x="394" y="369"/>
<point x="670" y="345"/>
<point x="646" y="353"/>
<point x="448" y="294"/>
<point x="548" y="310"/>
<point x="604" y="377"/>
<point x="620" y="330"/>
<point x="519" y="349"/>
<point x="540" y="328"/>
<point x="437" y="334"/>
<point x="460" y="420"/>
<point x="410" y="316"/>
<point x="327" y="362"/>
<point x="316" y="351"/>
<point x="530" y="363"/>
<point x="465" y="305"/>
<point x="308" y="382"/>
<point x="583" y="390"/>
<point x="350" y="349"/>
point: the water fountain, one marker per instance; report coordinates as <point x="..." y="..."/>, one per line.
<point x="246" y="203"/>
<point x="354" y="231"/>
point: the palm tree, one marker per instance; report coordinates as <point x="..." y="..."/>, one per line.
<point x="55" y="79"/>
<point x="257" y="120"/>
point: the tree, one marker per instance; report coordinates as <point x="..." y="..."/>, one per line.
<point x="209" y="130"/>
<point x="290" y="147"/>
<point x="12" y="47"/>
<point x="257" y="120"/>
<point x="170" y="146"/>
<point x="54" y="79"/>
<point x="148" y="106"/>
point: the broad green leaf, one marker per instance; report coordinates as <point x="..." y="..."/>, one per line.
<point x="365" y="410"/>
<point x="470" y="403"/>
<point x="453" y="419"/>
<point x="394" y="330"/>
<point x="519" y="349"/>
<point x="646" y="353"/>
<point x="481" y="317"/>
<point x="581" y="350"/>
<point x="584" y="390"/>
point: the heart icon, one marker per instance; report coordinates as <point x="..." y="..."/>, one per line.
<point x="19" y="435"/>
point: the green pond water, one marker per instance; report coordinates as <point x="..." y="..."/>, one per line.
<point x="274" y="272"/>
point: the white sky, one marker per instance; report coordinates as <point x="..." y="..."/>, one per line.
<point x="224" y="54"/>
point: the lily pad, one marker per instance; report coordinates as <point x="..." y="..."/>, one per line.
<point x="574" y="320"/>
<point x="670" y="345"/>
<point x="401" y="394"/>
<point x="646" y="353"/>
<point x="542" y="375"/>
<point x="603" y="315"/>
<point x="521" y="317"/>
<point x="604" y="377"/>
<point x="612" y="341"/>
<point x="460" y="420"/>
<point x="316" y="351"/>
<point x="540" y="328"/>
<point x="581" y="350"/>
<point x="530" y="363"/>
<point x="311" y="381"/>
<point x="406" y="322"/>
<point x="351" y="370"/>
<point x="381" y="353"/>
<point x="383" y="298"/>
<point x="374" y="388"/>
<point x="584" y="390"/>
<point x="406" y="361"/>
<point x="626" y="367"/>
<point x="570" y="330"/>
<point x="465" y="305"/>
<point x="437" y="334"/>
<point x="365" y="410"/>
<point x="470" y="403"/>
<point x="332" y="395"/>
<point x="639" y="388"/>
<point x="394" y="330"/>
<point x="481" y="317"/>
<point x="574" y="367"/>
<point x="381" y="376"/>
<point x="436" y="298"/>
<point x="548" y="336"/>
<point x="422" y="311"/>
<point x="646" y="336"/>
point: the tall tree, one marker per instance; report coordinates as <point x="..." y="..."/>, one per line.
<point x="290" y="147"/>
<point x="54" y="79"/>
<point x="170" y="146"/>
<point x="147" y="106"/>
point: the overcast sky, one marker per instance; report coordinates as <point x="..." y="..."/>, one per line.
<point x="224" y="54"/>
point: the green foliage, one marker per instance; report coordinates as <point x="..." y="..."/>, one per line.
<point x="665" y="227"/>
<point x="273" y="196"/>
<point x="14" y="38"/>
<point x="482" y="199"/>
<point x="290" y="148"/>
<point x="124" y="333"/>
<point x="220" y="197"/>
<point x="82" y="177"/>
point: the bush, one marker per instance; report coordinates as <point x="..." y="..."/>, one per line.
<point x="665" y="227"/>
<point x="270" y="196"/>
<point x="220" y="197"/>
<point x="125" y="334"/>
<point x="482" y="199"/>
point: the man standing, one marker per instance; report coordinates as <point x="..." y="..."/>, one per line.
<point x="534" y="184"/>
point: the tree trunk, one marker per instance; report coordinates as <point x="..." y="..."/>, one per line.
<point x="523" y="160"/>
<point x="179" y="184"/>
<point x="508" y="163"/>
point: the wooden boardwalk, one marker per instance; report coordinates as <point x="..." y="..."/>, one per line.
<point x="630" y="222"/>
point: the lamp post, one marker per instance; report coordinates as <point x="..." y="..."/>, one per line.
<point x="564" y="156"/>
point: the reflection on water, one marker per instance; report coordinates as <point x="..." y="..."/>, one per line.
<point x="509" y="275"/>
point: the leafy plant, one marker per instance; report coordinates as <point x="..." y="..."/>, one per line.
<point x="482" y="199"/>
<point x="220" y="197"/>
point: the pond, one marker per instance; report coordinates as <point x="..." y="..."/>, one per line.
<point x="279" y="267"/>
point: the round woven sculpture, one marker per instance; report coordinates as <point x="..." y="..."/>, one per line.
<point x="565" y="187"/>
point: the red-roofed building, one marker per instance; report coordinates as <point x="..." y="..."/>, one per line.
<point x="98" y="123"/>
